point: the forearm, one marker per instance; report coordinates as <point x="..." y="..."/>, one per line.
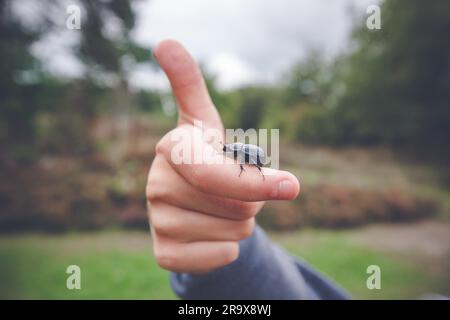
<point x="262" y="271"/>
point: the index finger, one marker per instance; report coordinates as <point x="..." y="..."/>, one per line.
<point x="221" y="176"/>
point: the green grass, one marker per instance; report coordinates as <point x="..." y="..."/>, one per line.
<point x="119" y="265"/>
<point x="35" y="268"/>
<point x="333" y="255"/>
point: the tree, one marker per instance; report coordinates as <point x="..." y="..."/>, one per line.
<point x="397" y="90"/>
<point x="27" y="89"/>
<point x="309" y="81"/>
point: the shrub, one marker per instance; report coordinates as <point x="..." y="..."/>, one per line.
<point x="336" y="207"/>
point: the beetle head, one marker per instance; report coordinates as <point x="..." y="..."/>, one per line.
<point x="224" y="148"/>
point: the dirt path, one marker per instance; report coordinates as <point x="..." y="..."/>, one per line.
<point x="425" y="243"/>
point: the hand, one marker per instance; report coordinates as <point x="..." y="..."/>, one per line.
<point x="199" y="212"/>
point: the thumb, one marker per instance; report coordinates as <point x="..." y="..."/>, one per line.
<point x="187" y="83"/>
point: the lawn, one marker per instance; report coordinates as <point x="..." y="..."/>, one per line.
<point x="120" y="265"/>
<point x="334" y="255"/>
<point x="33" y="267"/>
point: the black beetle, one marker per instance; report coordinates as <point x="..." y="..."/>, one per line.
<point x="246" y="153"/>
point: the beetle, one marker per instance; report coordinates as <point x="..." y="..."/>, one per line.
<point x="246" y="154"/>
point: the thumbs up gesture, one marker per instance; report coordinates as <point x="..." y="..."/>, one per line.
<point x="200" y="211"/>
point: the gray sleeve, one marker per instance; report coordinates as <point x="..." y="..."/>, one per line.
<point x="262" y="271"/>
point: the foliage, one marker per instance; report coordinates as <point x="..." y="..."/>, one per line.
<point x="390" y="89"/>
<point x="27" y="91"/>
<point x="148" y="101"/>
<point x="309" y="81"/>
<point x="396" y="89"/>
<point x="337" y="207"/>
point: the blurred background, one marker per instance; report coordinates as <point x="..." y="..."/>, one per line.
<point x="364" y="119"/>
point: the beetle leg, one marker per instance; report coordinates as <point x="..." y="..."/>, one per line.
<point x="260" y="171"/>
<point x="242" y="169"/>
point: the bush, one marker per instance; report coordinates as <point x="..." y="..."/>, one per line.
<point x="134" y="217"/>
<point x="55" y="195"/>
<point x="336" y="207"/>
<point x="316" y="126"/>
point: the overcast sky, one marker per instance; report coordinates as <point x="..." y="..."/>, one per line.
<point x="239" y="41"/>
<point x="248" y="41"/>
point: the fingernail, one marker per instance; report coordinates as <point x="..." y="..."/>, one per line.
<point x="285" y="190"/>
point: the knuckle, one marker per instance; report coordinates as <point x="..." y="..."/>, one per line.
<point x="148" y="192"/>
<point x="165" y="257"/>
<point x="156" y="223"/>
<point x="247" y="210"/>
<point x="197" y="176"/>
<point x="231" y="253"/>
<point x="151" y="184"/>
<point x="151" y="194"/>
<point x="246" y="228"/>
<point x="164" y="225"/>
<point x="156" y="191"/>
<point x="160" y="147"/>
